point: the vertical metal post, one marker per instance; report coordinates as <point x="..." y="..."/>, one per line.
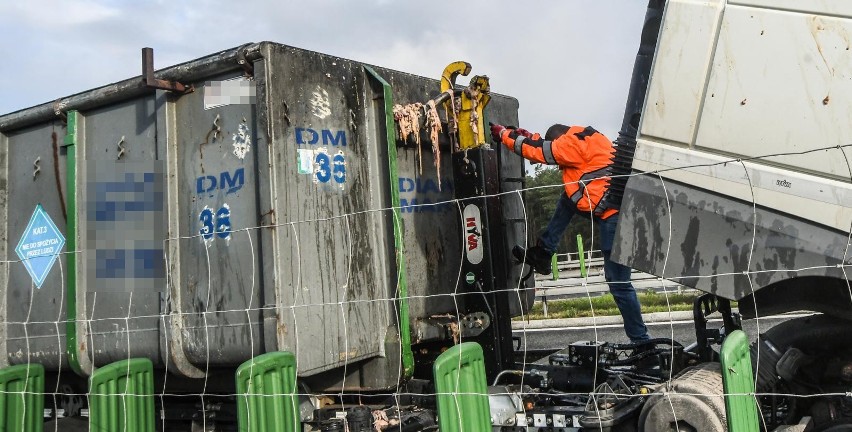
<point x="152" y="82"/>
<point x="738" y="382"/>
<point x="402" y="275"/>
<point x="462" y="389"/>
<point x="554" y="267"/>
<point x="71" y="246"/>
<point x="477" y="182"/>
<point x="267" y="396"/>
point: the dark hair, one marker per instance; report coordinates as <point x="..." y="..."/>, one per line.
<point x="556" y="131"/>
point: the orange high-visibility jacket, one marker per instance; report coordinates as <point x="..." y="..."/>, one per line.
<point x="583" y="154"/>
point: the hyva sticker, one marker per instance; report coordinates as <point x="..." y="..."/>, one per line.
<point x="473" y="234"/>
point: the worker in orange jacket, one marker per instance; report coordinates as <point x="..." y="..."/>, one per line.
<point x="585" y="157"/>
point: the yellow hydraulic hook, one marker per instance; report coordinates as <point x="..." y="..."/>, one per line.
<point x="468" y="117"/>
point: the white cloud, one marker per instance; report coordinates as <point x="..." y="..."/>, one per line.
<point x="56" y="14"/>
<point x="425" y="56"/>
<point x="564" y="60"/>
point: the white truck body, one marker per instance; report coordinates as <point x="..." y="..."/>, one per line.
<point x="746" y="144"/>
<point x="748" y="79"/>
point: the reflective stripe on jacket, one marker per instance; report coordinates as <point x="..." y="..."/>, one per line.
<point x="583" y="154"/>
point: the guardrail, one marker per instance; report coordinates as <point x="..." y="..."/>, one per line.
<point x="571" y="260"/>
<point x="570" y="283"/>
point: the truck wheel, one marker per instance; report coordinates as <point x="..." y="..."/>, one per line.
<point x="692" y="402"/>
<point x="811" y="333"/>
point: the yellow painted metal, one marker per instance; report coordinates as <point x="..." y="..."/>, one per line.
<point x="473" y="100"/>
<point x="451" y="72"/>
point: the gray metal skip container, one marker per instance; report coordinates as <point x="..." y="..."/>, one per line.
<point x="263" y="210"/>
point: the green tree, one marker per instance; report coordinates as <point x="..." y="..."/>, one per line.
<point x="544" y="188"/>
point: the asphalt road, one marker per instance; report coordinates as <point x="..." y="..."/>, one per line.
<point x="682" y="331"/>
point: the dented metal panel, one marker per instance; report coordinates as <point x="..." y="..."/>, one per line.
<point x="712" y="243"/>
<point x="746" y="133"/>
<point x="779" y="83"/>
<point x="757" y="80"/>
<point x="4" y="248"/>
<point x="334" y="265"/>
<point x="685" y="50"/>
<point x="214" y="229"/>
<point x="38" y="174"/>
<point x="217" y="219"/>
<point x="120" y="224"/>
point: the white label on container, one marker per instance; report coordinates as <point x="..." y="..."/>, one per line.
<point x="235" y="91"/>
<point x="40" y="245"/>
<point x="305" y="161"/>
<point x="473" y="234"/>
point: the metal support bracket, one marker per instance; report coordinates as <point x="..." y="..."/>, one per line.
<point x="247" y="66"/>
<point x="152" y="82"/>
<point x="707" y="337"/>
<point x="472" y="102"/>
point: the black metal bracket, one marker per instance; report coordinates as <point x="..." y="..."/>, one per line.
<point x="247" y="66"/>
<point x="706" y="337"/>
<point x="152" y="82"/>
<point x="59" y="110"/>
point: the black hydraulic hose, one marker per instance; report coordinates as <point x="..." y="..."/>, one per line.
<point x="655" y="341"/>
<point x="625" y="144"/>
<point x="420" y="421"/>
<point x="644" y="354"/>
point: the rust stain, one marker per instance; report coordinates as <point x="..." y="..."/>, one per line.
<point x="826" y="100"/>
<point x="271" y="214"/>
<point x="818" y="26"/>
<point x="216" y="130"/>
<point x="343" y="356"/>
<point x="324" y="401"/>
<point x="286" y="112"/>
<point x="282" y="330"/>
<point x="743" y="102"/>
<point x="53" y="139"/>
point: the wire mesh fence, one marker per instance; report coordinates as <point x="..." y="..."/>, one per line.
<point x="345" y="371"/>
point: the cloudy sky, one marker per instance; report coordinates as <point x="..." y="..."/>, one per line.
<point x="566" y="61"/>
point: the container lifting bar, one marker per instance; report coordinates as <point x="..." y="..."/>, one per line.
<point x="244" y="62"/>
<point x="473" y="99"/>
<point x="151" y="82"/>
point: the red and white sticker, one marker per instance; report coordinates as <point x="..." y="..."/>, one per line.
<point x="473" y="234"/>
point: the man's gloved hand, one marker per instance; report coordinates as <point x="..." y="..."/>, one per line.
<point x="496" y="131"/>
<point x="523" y="132"/>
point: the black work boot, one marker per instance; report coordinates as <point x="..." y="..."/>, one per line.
<point x="537" y="257"/>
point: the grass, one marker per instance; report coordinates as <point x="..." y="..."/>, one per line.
<point x="605" y="305"/>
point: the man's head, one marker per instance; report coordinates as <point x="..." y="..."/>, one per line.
<point x="556" y="131"/>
